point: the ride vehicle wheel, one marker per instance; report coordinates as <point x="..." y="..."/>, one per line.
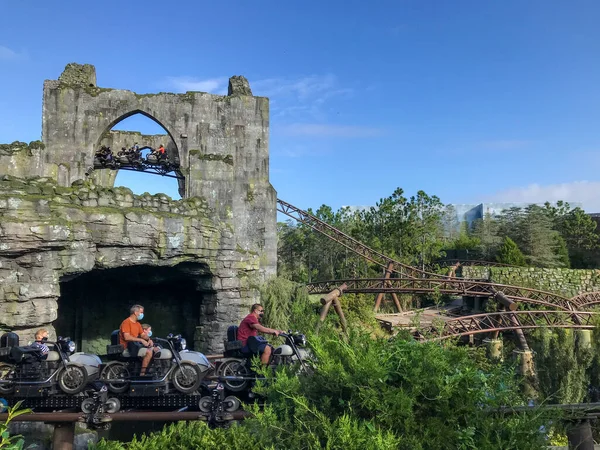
<point x="112" y="405"/>
<point x="205" y="404"/>
<point x="115" y="371"/>
<point x="232" y="403"/>
<point x="235" y="368"/>
<point x="186" y="377"/>
<point x="72" y="379"/>
<point x="87" y="406"/>
<point x="6" y="370"/>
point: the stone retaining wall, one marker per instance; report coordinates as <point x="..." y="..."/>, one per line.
<point x="568" y="282"/>
<point x="50" y="233"/>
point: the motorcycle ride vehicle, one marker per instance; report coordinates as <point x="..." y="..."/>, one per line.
<point x="236" y="369"/>
<point x="25" y="372"/>
<point x="173" y="365"/>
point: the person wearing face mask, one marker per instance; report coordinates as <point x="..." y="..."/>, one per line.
<point x="250" y="327"/>
<point x="147" y="328"/>
<point x="41" y="336"/>
<point x="133" y="338"/>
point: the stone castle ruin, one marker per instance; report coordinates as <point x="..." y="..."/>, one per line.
<point x="75" y="252"/>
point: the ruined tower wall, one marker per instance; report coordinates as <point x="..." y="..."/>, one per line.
<point x="59" y="225"/>
<point x="222" y="143"/>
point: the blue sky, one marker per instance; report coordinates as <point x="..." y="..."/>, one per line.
<point x="472" y="101"/>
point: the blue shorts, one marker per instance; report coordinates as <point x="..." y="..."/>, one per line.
<point x="134" y="347"/>
<point x="255" y="345"/>
<point x="260" y="349"/>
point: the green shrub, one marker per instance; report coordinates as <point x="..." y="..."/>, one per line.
<point x="367" y="393"/>
<point x="8" y="442"/>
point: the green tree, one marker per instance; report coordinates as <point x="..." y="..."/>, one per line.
<point x="425" y="224"/>
<point x="464" y="241"/>
<point x="580" y="234"/>
<point x="562" y="251"/>
<point x="532" y="229"/>
<point x="509" y="253"/>
<point x="486" y="231"/>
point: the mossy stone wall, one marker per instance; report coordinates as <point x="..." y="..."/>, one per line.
<point x="567" y="282"/>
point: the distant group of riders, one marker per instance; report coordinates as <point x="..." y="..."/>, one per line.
<point x="133" y="154"/>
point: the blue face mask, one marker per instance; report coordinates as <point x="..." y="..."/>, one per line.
<point x="149" y="333"/>
<point x="141" y="316"/>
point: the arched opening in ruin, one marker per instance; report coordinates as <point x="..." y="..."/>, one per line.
<point x="142" y="129"/>
<point x="93" y="304"/>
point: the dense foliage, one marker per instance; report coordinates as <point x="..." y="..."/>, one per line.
<point x="420" y="230"/>
<point x="8" y="442"/>
<point x="370" y="393"/>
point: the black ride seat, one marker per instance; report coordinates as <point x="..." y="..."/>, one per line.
<point x="232" y="345"/>
<point x="7" y="342"/>
<point x="115" y="348"/>
<point x="232" y="331"/>
<point x="26" y="354"/>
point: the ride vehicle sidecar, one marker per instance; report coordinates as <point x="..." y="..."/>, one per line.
<point x="25" y="372"/>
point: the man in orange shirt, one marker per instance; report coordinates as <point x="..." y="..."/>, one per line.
<point x="133" y="338"/>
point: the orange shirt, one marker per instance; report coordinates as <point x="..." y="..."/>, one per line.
<point x="133" y="328"/>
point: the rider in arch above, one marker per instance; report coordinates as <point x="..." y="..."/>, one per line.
<point x="162" y="153"/>
<point x="250" y="327"/>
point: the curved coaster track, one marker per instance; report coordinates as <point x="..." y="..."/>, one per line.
<point x="456" y="286"/>
<point x="416" y="281"/>
<point x="352" y="244"/>
<point x="411" y="280"/>
<point x="438" y="327"/>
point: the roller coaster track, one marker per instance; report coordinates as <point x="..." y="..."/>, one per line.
<point x="352" y="244"/>
<point x="505" y="321"/>
<point x="444" y="286"/>
<point x="586" y="299"/>
<point x="417" y="281"/>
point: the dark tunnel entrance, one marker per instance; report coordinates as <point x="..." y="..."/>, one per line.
<point x="94" y="304"/>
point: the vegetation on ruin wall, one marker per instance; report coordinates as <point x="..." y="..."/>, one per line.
<point x="85" y="195"/>
<point x="227" y="159"/>
<point x="568" y="282"/>
<point x="18" y="146"/>
<point x="420" y="230"/>
<point x="368" y="393"/>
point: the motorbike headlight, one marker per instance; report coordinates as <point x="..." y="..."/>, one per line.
<point x="71" y="346"/>
<point x="183" y="344"/>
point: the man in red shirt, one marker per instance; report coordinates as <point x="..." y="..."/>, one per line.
<point x="250" y="327"/>
<point x="133" y="338"/>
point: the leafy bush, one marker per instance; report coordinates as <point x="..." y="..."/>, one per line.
<point x="8" y="442"/>
<point x="368" y="393"/>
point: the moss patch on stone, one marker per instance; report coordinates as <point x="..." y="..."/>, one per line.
<point x="227" y="159"/>
<point x="18" y="146"/>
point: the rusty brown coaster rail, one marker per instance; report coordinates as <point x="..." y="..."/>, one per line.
<point x="410" y="272"/>
<point x="509" y="320"/>
<point x="444" y="286"/>
<point x="350" y="243"/>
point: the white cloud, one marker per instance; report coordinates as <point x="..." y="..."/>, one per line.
<point x="7" y="54"/>
<point x="211" y="85"/>
<point x="324" y="130"/>
<point x="584" y="192"/>
<point x="295" y="98"/>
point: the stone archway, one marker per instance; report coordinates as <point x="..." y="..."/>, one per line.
<point x="116" y="139"/>
<point x="93" y="304"/>
<point x="223" y="146"/>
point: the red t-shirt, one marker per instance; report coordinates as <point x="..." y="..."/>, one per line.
<point x="245" y="329"/>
